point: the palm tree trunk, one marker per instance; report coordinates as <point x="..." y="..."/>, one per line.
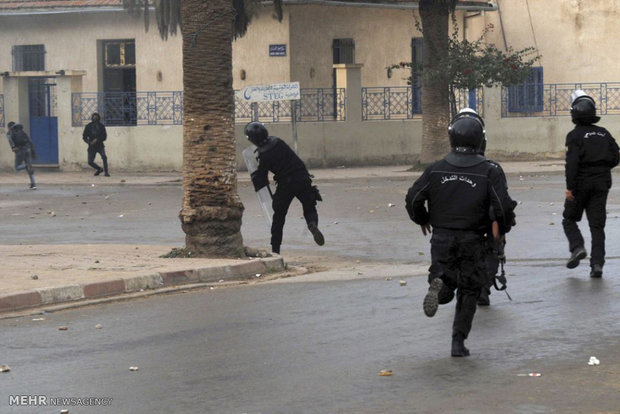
<point x="435" y="96"/>
<point x="211" y="211"/>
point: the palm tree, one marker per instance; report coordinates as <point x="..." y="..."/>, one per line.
<point x="211" y="210"/>
<point x="434" y="15"/>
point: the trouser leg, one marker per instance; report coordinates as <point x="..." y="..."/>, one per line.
<point x="440" y="266"/>
<point x="573" y="211"/>
<point x="308" y="201"/>
<point x="472" y="276"/>
<point x="597" y="216"/>
<point x="104" y="159"/>
<point x="281" y="202"/>
<point x="19" y="160"/>
<point x="91" y="159"/>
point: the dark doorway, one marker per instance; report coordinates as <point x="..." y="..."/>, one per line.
<point x="119" y="82"/>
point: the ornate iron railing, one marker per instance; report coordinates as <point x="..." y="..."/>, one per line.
<point x="2" y="121"/>
<point x="128" y="108"/>
<point x="554" y="99"/>
<point x="405" y="102"/>
<point x="320" y="104"/>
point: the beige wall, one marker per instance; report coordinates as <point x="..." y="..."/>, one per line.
<point x="573" y="36"/>
<point x="71" y="43"/>
<point x="251" y="52"/>
<point x="382" y="37"/>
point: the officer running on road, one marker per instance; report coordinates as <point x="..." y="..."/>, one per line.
<point x="591" y="154"/>
<point x="292" y="180"/>
<point x="459" y="191"/>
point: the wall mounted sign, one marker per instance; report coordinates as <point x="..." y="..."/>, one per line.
<point x="277" y="50"/>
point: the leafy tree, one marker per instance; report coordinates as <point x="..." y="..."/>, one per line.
<point x="473" y="64"/>
<point x="211" y="210"/>
<point x="434" y="16"/>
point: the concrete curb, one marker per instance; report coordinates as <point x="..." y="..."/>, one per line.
<point x="73" y="293"/>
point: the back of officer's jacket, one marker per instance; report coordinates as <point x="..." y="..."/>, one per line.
<point x="459" y="197"/>
<point x="591" y="153"/>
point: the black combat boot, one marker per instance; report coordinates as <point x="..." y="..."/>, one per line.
<point x="597" y="271"/>
<point x="458" y="346"/>
<point x="316" y="233"/>
<point x="431" y="300"/>
<point x="576" y="255"/>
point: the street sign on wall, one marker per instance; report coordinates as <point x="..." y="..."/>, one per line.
<point x="274" y="92"/>
<point x="277" y="50"/>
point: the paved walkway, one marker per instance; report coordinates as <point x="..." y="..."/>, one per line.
<point x="45" y="275"/>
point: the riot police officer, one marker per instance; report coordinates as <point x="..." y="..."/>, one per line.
<point x="591" y="154"/>
<point x="459" y="191"/>
<point x="292" y="181"/>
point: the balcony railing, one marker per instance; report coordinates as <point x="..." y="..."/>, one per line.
<point x="316" y="104"/>
<point x="128" y="108"/>
<point x="554" y="99"/>
<point x="2" y="120"/>
<point x="405" y="102"/>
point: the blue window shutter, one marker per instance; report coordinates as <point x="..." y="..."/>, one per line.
<point x="528" y="96"/>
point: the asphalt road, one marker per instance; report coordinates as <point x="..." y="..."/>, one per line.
<point x="298" y="347"/>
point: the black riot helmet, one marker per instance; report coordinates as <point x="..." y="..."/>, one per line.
<point x="467" y="134"/>
<point x="257" y="133"/>
<point x="583" y="108"/>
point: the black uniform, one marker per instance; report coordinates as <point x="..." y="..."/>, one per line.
<point x="591" y="153"/>
<point x="22" y="146"/>
<point x="292" y="180"/>
<point x="94" y="135"/>
<point x="459" y="199"/>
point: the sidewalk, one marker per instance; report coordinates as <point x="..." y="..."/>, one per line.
<point x="45" y="275"/>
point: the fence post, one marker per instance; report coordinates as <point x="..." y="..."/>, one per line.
<point x="349" y="77"/>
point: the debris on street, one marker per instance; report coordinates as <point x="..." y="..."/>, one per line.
<point x="4" y="368"/>
<point x="593" y="361"/>
<point x="133" y="368"/>
<point x="385" y="372"/>
<point x="403" y="283"/>
<point x="63" y="328"/>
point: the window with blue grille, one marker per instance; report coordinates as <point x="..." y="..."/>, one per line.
<point x="28" y="58"/>
<point x="528" y="96"/>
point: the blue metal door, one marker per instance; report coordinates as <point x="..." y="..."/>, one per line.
<point x="43" y="119"/>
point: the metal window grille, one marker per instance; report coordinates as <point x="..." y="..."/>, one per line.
<point x="344" y="51"/>
<point x="527" y="97"/>
<point x="28" y="58"/>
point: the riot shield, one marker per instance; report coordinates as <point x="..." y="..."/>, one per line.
<point x="264" y="194"/>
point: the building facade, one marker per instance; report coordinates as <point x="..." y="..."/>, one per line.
<point x="60" y="61"/>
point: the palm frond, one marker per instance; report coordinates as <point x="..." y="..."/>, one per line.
<point x="167" y="14"/>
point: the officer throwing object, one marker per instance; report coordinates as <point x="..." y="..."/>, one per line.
<point x="292" y="180"/>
